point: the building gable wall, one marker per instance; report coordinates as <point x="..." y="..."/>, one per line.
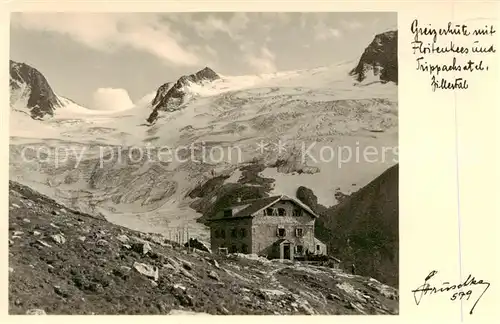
<point x="265" y="229"/>
<point x="288" y="206"/>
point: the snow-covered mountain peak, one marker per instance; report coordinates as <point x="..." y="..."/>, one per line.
<point x="30" y="91"/>
<point x="170" y="96"/>
<point x="380" y="59"/>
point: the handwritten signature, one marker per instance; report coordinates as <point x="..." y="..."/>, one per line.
<point x="464" y="287"/>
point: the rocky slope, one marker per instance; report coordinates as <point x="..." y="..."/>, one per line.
<point x="171" y="97"/>
<point x="363" y="228"/>
<point x="30" y="89"/>
<point x="379" y="58"/>
<point x="62" y="262"/>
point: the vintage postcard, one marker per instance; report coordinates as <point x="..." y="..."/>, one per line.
<point x="274" y="158"/>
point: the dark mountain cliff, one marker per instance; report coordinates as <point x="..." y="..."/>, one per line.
<point x="381" y="56"/>
<point x="26" y="81"/>
<point x="160" y="93"/>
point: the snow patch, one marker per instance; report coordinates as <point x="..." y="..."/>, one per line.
<point x="252" y="256"/>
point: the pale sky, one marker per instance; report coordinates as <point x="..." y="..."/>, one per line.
<point x="92" y="57"/>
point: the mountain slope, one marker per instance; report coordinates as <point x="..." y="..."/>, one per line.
<point x="363" y="228"/>
<point x="31" y="89"/>
<point x="62" y="262"/>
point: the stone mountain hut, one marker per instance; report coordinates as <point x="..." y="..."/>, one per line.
<point x="278" y="227"/>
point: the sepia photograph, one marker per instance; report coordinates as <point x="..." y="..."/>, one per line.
<point x="218" y="163"/>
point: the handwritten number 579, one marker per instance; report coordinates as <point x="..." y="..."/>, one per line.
<point x="461" y="295"/>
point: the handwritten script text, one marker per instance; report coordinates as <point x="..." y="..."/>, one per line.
<point x="461" y="291"/>
<point x="448" y="54"/>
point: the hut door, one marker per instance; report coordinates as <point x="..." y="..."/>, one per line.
<point x="286" y="251"/>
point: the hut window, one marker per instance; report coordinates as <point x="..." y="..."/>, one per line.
<point x="281" y="212"/>
<point x="244" y="248"/>
<point x="318" y="247"/>
<point x="297" y="212"/>
<point x="281" y="232"/>
<point x="233" y="232"/>
<point x="299" y="232"/>
<point x="270" y="211"/>
<point x="233" y="249"/>
<point x="222" y="233"/>
<point x="243" y="232"/>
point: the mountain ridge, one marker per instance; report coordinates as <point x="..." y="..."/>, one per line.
<point x="379" y="57"/>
